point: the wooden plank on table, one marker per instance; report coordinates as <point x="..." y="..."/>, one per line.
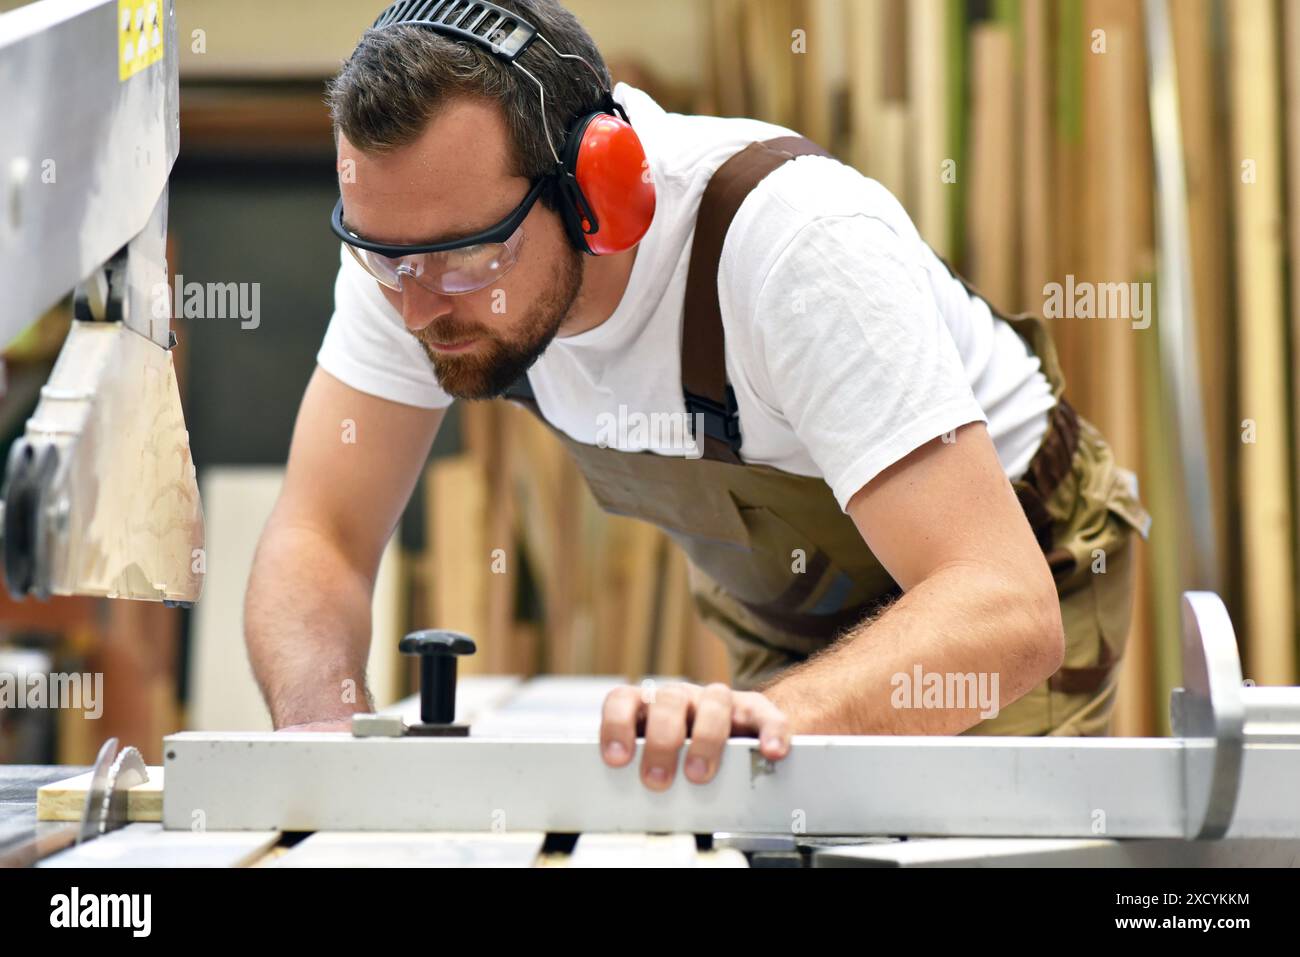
<point x="65" y="800"/>
<point x="634" y="850"/>
<point x="551" y="707"/>
<point x="148" y="845"/>
<point x="993" y="214"/>
<point x="414" y="849"/>
<point x="1266" y="526"/>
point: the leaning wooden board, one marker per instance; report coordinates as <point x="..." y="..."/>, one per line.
<point x="1256" y="194"/>
<point x="1205" y="158"/>
<point x="1037" y="224"/>
<point x="928" y="92"/>
<point x="992" y="222"/>
<point x="1291" y="59"/>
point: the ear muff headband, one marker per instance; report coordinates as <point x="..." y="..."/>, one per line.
<point x="607" y="196"/>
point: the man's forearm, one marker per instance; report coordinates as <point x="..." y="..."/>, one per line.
<point x="959" y="645"/>
<point x="307" y="625"/>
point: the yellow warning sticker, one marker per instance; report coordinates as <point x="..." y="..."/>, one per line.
<point x="139" y="36"/>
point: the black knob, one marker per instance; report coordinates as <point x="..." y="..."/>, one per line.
<point x="438" y="650"/>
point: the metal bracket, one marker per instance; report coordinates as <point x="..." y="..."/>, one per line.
<point x="101" y="296"/>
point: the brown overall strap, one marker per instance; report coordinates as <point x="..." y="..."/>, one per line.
<point x="704" y="368"/>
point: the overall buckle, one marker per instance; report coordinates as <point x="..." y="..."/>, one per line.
<point x="720" y="422"/>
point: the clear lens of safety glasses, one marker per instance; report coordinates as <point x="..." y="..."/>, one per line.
<point x="452" y="273"/>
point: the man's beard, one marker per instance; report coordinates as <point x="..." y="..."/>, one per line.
<point x="492" y="365"/>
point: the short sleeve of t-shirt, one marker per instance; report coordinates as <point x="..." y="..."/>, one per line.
<point x="853" y="350"/>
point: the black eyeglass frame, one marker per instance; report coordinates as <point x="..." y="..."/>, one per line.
<point x="499" y="233"/>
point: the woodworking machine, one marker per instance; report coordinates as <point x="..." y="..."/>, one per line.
<point x="100" y="496"/>
<point x="100" y="499"/>
<point x="435" y="782"/>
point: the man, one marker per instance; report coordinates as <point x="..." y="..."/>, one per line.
<point x="853" y="527"/>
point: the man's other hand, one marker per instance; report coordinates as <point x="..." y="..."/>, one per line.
<point x="670" y="714"/>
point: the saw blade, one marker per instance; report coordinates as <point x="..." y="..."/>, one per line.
<point x="91" y="813"/>
<point x="114" y="774"/>
<point x="127" y="771"/>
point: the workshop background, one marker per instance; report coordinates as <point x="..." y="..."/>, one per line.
<point x="1018" y="133"/>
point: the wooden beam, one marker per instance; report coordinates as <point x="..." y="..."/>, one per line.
<point x="1037" y="223"/>
<point x="1200" y="97"/>
<point x="930" y="145"/>
<point x="994" y="166"/>
<point x="1256" y="168"/>
<point x="1291" y="65"/>
<point x="457" y="519"/>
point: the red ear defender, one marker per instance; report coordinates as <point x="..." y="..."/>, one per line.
<point x="602" y="180"/>
<point x="605" y="157"/>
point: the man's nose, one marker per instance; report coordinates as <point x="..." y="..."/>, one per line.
<point x="421" y="306"/>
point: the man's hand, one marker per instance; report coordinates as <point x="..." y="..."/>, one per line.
<point x="322" y="546"/>
<point x="668" y="714"/>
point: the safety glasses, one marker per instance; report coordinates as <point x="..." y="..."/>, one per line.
<point x="450" y="268"/>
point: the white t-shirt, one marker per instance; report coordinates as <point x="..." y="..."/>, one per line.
<point x="848" y="343"/>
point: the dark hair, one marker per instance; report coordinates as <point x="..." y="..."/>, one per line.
<point x="399" y="77"/>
